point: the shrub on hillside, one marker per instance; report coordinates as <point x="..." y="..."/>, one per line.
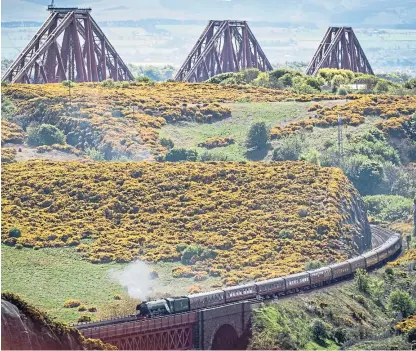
<point x="190" y="252"/>
<point x="15" y="233"/>
<point x="180" y="154"/>
<point x="410" y="84"/>
<point x="214" y="142"/>
<point x="210" y="156"/>
<point x="94" y="154"/>
<point x="258" y="136"/>
<point x="194" y="289"/>
<point x="320" y="330"/>
<point x="311" y="265"/>
<point x="388" y="207"/>
<point x="312" y="156"/>
<point x="108" y="83"/>
<point x="44" y="134"/>
<point x="167" y="143"/>
<point x="289" y="149"/>
<point x="220" y="77"/>
<point x="362" y="280"/>
<point x="71" y="303"/>
<point x="8" y="109"/>
<point x="84" y="318"/>
<point x="366" y="174"/>
<point x="143" y="79"/>
<point x="401" y="302"/>
<point x="182" y="272"/>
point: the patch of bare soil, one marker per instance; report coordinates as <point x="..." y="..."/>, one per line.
<point x="25" y="153"/>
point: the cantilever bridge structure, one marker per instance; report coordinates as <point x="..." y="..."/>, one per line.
<point x="224" y="46"/>
<point x="68" y="46"/>
<point x="339" y="49"/>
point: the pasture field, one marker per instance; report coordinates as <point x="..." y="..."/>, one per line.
<point x="189" y="135"/>
<point x="48" y="277"/>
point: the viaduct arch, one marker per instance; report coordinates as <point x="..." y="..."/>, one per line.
<point x="225" y="338"/>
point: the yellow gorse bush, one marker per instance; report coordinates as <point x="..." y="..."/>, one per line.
<point x="252" y="220"/>
<point x="407" y="324"/>
<point x="214" y="142"/>
<point x="71" y="303"/>
<point x="394" y="109"/>
<point x="8" y="154"/>
<point x="11" y="132"/>
<point x="409" y="256"/>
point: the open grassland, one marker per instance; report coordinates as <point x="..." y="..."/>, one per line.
<point x="189" y="134"/>
<point x="48" y="277"/>
<point x="236" y="221"/>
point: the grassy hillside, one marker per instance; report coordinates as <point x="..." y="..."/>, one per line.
<point x="243" y="115"/>
<point x="47" y="278"/>
<point x="123" y="119"/>
<point x="238" y="221"/>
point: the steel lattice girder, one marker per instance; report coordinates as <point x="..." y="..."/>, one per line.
<point x="68" y="46"/>
<point x="339" y="49"/>
<point x="171" y="339"/>
<point x="224" y="46"/>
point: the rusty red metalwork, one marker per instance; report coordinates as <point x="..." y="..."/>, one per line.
<point x="224" y="46"/>
<point x="339" y="49"/>
<point x="173" y="332"/>
<point x="68" y="46"/>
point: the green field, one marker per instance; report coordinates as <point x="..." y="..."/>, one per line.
<point x="189" y="135"/>
<point x="46" y="278"/>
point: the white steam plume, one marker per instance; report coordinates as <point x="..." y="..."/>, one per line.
<point x="135" y="278"/>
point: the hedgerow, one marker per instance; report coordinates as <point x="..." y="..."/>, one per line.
<point x="225" y="216"/>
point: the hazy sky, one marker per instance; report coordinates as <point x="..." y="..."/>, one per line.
<point x="321" y="12"/>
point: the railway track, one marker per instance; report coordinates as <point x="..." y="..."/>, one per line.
<point x="378" y="237"/>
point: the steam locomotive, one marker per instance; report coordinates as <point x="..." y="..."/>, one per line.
<point x="272" y="288"/>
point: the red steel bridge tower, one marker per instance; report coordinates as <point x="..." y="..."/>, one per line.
<point x="69" y="46"/>
<point x="339" y="49"/>
<point x="224" y="46"/>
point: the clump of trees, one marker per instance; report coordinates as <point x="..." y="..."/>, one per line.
<point x="258" y="136"/>
<point x="369" y="161"/>
<point x="327" y="80"/>
<point x="147" y="73"/>
<point x="44" y="134"/>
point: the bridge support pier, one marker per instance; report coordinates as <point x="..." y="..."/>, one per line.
<point x="224" y="328"/>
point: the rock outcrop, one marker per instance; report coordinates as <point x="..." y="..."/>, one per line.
<point x="23" y="327"/>
<point x="356" y="219"/>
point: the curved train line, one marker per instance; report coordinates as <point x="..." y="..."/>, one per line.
<point x="387" y="244"/>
